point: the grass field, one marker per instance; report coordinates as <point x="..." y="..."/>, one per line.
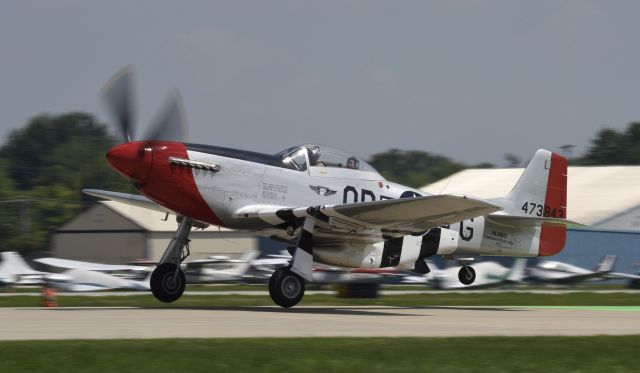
<point x="483" y="354"/>
<point x="444" y="299"/>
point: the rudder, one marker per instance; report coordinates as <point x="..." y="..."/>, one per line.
<point x="542" y="189"/>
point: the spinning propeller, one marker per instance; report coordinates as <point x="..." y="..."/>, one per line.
<point x="169" y="125"/>
<point x="133" y="159"/>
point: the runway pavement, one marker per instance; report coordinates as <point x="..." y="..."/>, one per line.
<point x="331" y="292"/>
<point x="365" y="321"/>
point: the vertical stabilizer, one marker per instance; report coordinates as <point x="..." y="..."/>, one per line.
<point x="432" y="266"/>
<point x="541" y="192"/>
<point x="607" y="263"/>
<point x="516" y="274"/>
<point x="542" y="189"/>
<point x="13" y="264"/>
<point x="246" y="260"/>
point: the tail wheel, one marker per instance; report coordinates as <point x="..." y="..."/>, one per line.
<point x="286" y="288"/>
<point x="166" y="286"/>
<point x="467" y="275"/>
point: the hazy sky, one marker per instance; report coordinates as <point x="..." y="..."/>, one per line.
<point x="468" y="79"/>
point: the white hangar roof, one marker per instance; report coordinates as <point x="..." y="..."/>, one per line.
<point x="128" y="215"/>
<point x="594" y="193"/>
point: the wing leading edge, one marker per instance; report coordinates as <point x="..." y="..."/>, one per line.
<point x="131" y="199"/>
<point x="394" y="216"/>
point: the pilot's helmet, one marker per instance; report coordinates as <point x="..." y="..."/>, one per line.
<point x="314" y="154"/>
<point x="353" y="163"/>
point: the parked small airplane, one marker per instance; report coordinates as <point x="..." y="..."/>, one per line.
<point x="219" y="269"/>
<point x="563" y="273"/>
<point x="489" y="274"/>
<point x="337" y="275"/>
<point x="125" y="271"/>
<point x="328" y="206"/>
<point x="14" y="270"/>
<point x="79" y="279"/>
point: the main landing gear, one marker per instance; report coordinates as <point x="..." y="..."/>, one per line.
<point x="286" y="285"/>
<point x="167" y="280"/>
<point x="467" y="275"/>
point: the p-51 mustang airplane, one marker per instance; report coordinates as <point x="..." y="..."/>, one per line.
<point x="328" y="206"/>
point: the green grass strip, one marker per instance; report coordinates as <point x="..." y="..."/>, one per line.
<point x="409" y="300"/>
<point x="475" y="354"/>
<point x="590" y="308"/>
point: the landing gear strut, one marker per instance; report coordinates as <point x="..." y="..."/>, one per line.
<point x="286" y="285"/>
<point x="167" y="280"/>
<point x="467" y="275"/>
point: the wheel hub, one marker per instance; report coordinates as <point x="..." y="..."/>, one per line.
<point x="169" y="285"/>
<point x="291" y="287"/>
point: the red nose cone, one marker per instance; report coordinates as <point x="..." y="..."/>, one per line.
<point x="132" y="159"/>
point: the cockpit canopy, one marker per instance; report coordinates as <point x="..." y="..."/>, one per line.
<point x="297" y="157"/>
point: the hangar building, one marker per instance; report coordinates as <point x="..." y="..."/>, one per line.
<point x="116" y="233"/>
<point x="607" y="199"/>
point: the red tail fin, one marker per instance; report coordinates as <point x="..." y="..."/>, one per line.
<point x="555" y="202"/>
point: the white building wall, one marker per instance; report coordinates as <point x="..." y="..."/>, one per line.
<point x="105" y="247"/>
<point x="204" y="244"/>
<point x="628" y="220"/>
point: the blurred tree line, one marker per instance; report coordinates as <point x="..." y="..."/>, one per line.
<point x="45" y="165"/>
<point x="43" y="168"/>
<point x="417" y="168"/>
<point x="611" y="147"/>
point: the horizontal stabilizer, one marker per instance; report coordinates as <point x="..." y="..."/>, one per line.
<point x="531" y="221"/>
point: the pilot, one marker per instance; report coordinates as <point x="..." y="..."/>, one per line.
<point x="314" y="156"/>
<point x="353" y="163"/>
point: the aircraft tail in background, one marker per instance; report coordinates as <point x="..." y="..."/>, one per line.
<point x="516" y="274"/>
<point x="607" y="263"/>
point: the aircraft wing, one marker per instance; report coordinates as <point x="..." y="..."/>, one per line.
<point x="393" y="217"/>
<point x="87" y="266"/>
<point x="623" y="275"/>
<point x="131" y="199"/>
<point x="572" y="279"/>
<point x="420" y="212"/>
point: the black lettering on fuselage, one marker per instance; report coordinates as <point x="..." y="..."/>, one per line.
<point x="345" y="196"/>
<point x="369" y="193"/>
<point x="469" y="236"/>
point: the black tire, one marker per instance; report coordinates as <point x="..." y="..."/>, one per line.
<point x="467" y="275"/>
<point x="286" y="288"/>
<point x="163" y="286"/>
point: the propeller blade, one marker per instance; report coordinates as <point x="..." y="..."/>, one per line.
<point x="118" y="94"/>
<point x="171" y="123"/>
